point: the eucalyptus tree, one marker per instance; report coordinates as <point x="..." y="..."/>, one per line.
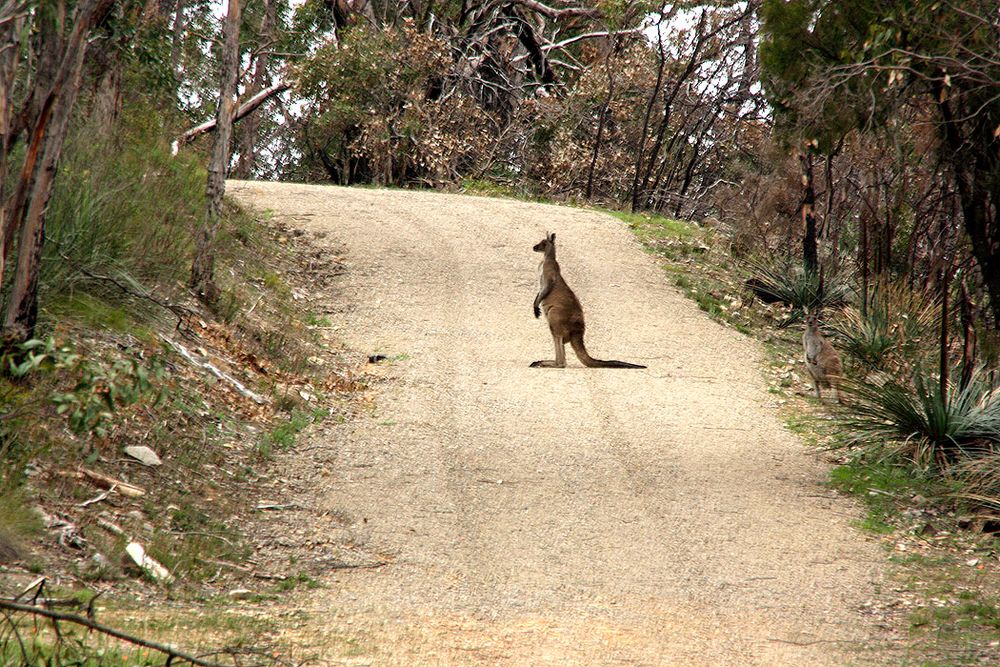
<point x="831" y="69"/>
<point x="44" y="48"/>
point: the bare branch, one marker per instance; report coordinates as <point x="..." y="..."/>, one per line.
<point x="167" y="650"/>
<point x="572" y="40"/>
<point x="553" y="13"/>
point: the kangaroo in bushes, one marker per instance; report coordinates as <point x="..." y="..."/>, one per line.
<point x="563" y="312"/>
<point x="822" y="360"/>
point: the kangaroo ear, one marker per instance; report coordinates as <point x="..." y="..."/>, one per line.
<point x="552" y="236"/>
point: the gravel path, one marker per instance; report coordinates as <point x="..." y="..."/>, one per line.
<point x="559" y="517"/>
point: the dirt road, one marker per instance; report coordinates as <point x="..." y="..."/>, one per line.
<point x="557" y="517"/>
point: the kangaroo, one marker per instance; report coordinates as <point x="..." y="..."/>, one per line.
<point x="563" y="312"/>
<point x="822" y="360"/>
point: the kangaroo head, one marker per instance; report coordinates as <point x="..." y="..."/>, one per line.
<point x="545" y="244"/>
<point x="812" y="320"/>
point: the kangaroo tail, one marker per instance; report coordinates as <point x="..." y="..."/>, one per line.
<point x="588" y="361"/>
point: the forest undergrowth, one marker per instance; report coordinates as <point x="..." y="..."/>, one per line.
<point x="140" y="420"/>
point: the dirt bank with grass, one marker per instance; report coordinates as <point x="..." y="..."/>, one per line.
<point x="487" y="513"/>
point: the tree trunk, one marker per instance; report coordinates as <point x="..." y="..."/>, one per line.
<point x="668" y="107"/>
<point x="640" y="149"/>
<point x="863" y="259"/>
<point x="203" y="266"/>
<point x="601" y="120"/>
<point x="968" y="335"/>
<point x="10" y="35"/>
<point x="810" y="254"/>
<point x="943" y="351"/>
<point x="250" y="128"/>
<point x="107" y="104"/>
<point x="42" y="159"/>
<point x="177" y="40"/>
<point x="975" y="167"/>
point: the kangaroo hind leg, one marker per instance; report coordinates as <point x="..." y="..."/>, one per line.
<point x="560" y="360"/>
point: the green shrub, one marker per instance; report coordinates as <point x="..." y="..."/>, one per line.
<point x="896" y="330"/>
<point x="802" y="290"/>
<point x="121" y="217"/>
<point x="927" y="426"/>
<point x="99" y="388"/>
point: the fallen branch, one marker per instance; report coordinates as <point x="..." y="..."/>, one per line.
<point x="169" y="651"/>
<point x="37" y="583"/>
<point x="260" y="507"/>
<point x="96" y="499"/>
<point x="148" y="564"/>
<point x="811" y="642"/>
<point x="244" y="109"/>
<point x="110" y="527"/>
<point x="211" y="368"/>
<point x="105" y="482"/>
<point x="180" y="312"/>
<point x="358" y="566"/>
<point x="225" y="563"/>
<point x="587" y="35"/>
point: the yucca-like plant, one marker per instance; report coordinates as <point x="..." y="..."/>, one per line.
<point x="866" y="338"/>
<point x="921" y="423"/>
<point x="800" y="289"/>
<point x="895" y="330"/>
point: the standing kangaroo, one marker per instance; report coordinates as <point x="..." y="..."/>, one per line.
<point x="563" y="312"/>
<point x="822" y="360"/>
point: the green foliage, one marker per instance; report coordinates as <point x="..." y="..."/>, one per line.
<point x="36" y="355"/>
<point x="916" y="420"/>
<point x="91" y="311"/>
<point x="661" y="226"/>
<point x="802" y="42"/>
<point x="314" y="320"/>
<point x="800" y="289"/>
<point x="100" y="388"/>
<point x="895" y="332"/>
<point x="121" y="215"/>
<point x="881" y="485"/>
<point x="378" y="112"/>
<point x="294" y="581"/>
<point x="282" y="436"/>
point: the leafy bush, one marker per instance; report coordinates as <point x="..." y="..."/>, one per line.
<point x="384" y="108"/>
<point x="920" y="422"/>
<point x="36" y="355"/>
<point x="100" y="389"/>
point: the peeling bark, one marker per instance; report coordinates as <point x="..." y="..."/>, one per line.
<point x="48" y="136"/>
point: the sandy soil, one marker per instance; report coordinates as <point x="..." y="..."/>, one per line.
<point x="544" y="516"/>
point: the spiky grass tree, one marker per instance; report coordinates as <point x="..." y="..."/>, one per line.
<point x="800" y="289"/>
<point x="893" y="334"/>
<point x="929" y="426"/>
